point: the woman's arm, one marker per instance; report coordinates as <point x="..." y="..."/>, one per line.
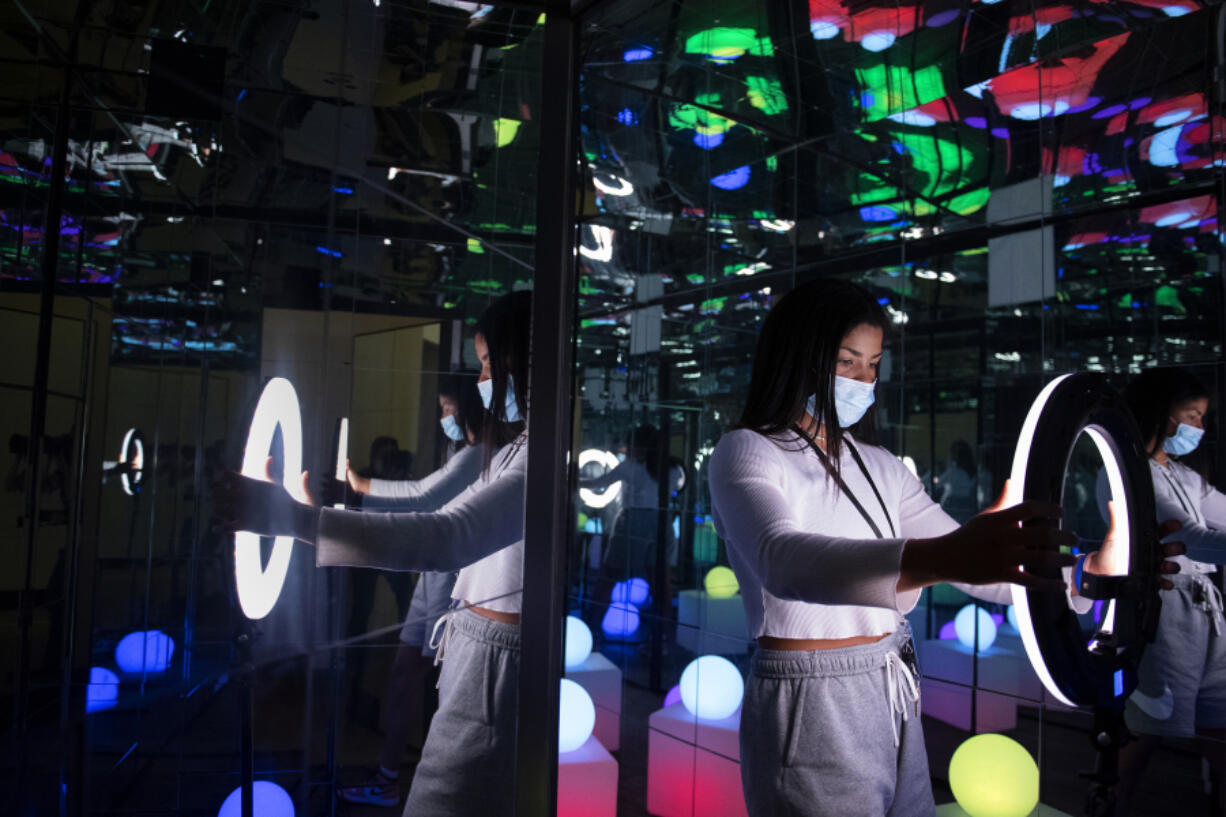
<point x="792" y="564"/>
<point x="483" y="520"/>
<point x="436" y="489"/>
<point x="1204" y="543"/>
<point x="607" y="478"/>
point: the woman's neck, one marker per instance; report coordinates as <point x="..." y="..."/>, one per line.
<point x="1159" y="455"/>
<point x="815" y="430"/>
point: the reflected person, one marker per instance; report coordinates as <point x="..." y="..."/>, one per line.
<point x="632" y="539"/>
<point x="956" y="486"/>
<point x="1181" y="690"/>
<point x="462" y="416"/>
<point x="832" y="540"/>
<point x="467" y="766"/>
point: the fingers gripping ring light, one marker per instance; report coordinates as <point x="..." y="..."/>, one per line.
<point x="259" y="587"/>
<point x="1104" y="674"/>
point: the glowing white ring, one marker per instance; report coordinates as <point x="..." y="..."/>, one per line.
<point x="1017" y="485"/>
<point x="259" y="587"/>
<point x="609" y="460"/>
<point x="342" y="455"/>
<point x="1017" y="480"/>
<point x="621" y="188"/>
<point x="138" y="462"/>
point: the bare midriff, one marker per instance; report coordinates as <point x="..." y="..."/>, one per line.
<point x="770" y="642"/>
<point x="492" y="615"/>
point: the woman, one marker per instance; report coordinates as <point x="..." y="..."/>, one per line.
<point x="832" y="540"/>
<point x="1182" y="687"/>
<point x="462" y="415"/>
<point x="468" y="762"/>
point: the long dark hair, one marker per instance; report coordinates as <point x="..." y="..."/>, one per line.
<point x="461" y="386"/>
<point x="506" y="326"/>
<point x="1153" y="395"/>
<point x="797" y="356"/>
<point x="643" y="445"/>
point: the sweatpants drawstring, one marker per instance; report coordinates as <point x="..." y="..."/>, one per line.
<point x="438" y="641"/>
<point x="903" y="692"/>
<point x="1210" y="602"/>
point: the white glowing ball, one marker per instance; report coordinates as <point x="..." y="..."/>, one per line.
<point x="964" y="626"/>
<point x="711" y="687"/>
<point x="576" y="716"/>
<point x="578" y="642"/>
<point x="720" y="583"/>
<point x="268" y="800"/>
<point x="1011" y="615"/>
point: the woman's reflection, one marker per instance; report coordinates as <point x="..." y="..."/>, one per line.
<point x="468" y="761"/>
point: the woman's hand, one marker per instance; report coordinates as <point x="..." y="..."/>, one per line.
<point x="1107" y="561"/>
<point x="993" y="547"/>
<point x="360" y="485"/>
<point x="266" y="508"/>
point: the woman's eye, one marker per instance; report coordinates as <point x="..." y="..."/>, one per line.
<point x="844" y="362"/>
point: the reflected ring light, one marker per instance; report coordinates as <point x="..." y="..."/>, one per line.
<point x="258" y="586"/>
<point x="609" y="460"/>
<point x="132" y="451"/>
<point x="1051" y="633"/>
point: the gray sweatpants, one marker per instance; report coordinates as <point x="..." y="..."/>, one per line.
<point x="467" y="766"/>
<point x="834" y="733"/>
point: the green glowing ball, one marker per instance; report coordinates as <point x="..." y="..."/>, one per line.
<point x="994" y="776"/>
<point x="721" y="583"/>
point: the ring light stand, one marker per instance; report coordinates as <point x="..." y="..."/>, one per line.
<point x="1103" y="674"/>
<point x="258" y="586"/>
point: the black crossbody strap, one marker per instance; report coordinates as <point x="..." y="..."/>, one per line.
<point x="856" y="456"/>
<point x="821" y="455"/>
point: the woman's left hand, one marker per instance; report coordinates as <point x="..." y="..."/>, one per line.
<point x="266" y="508"/>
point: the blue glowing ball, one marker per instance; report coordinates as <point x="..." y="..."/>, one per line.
<point x="620" y="620"/>
<point x="1011" y="615"/>
<point x="268" y="799"/>
<point x="576" y="716"/>
<point x="144" y="652"/>
<point x="578" y="642"/>
<point x="964" y="625"/>
<point x="634" y="591"/>
<point x="103" y="690"/>
<point x="711" y="687"/>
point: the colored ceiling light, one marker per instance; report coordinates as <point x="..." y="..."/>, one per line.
<point x="878" y="213"/>
<point x="878" y="40"/>
<point x="728" y="44"/>
<point x="474" y="246"/>
<point x="733" y="179"/>
<point x="891" y="89"/>
<point x="766" y="95"/>
<point x="505" y="131"/>
<point x="638" y="54"/>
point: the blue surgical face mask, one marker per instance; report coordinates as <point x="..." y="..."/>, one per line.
<point x="451" y="428"/>
<point x="851" y="399"/>
<point x="510" y="412"/>
<point x="1184" y="440"/>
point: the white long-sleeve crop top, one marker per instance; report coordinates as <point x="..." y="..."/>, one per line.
<point x="435" y="490"/>
<point x="808" y="563"/>
<point x="479" y="533"/>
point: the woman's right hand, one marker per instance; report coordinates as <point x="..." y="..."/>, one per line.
<point x="1016" y="544"/>
<point x="360" y="485"/>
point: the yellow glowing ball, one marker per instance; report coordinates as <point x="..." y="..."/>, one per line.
<point x="994" y="776"/>
<point x="721" y="583"/>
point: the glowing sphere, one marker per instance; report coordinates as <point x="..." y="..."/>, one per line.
<point x="620" y="620"/>
<point x="711" y="687"/>
<point x="878" y="40"/>
<point x="720" y="583"/>
<point x="259" y="586"/>
<point x="634" y="591"/>
<point x="672" y="696"/>
<point x="1011" y="614"/>
<point x="268" y="800"/>
<point x="994" y="776"/>
<point x="144" y="651"/>
<point x="823" y="30"/>
<point x="964" y="626"/>
<point x="103" y="690"/>
<point x="576" y="716"/>
<point x="578" y="642"/>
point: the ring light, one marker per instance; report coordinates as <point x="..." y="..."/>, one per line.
<point x="132" y="461"/>
<point x="1104" y="673"/>
<point x="259" y="587"/>
<point x="342" y="454"/>
<point x="609" y="460"/>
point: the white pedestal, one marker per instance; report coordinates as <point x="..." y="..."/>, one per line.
<point x="587" y="782"/>
<point x="710" y="626"/>
<point x="603" y="681"/>
<point x="693" y="766"/>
